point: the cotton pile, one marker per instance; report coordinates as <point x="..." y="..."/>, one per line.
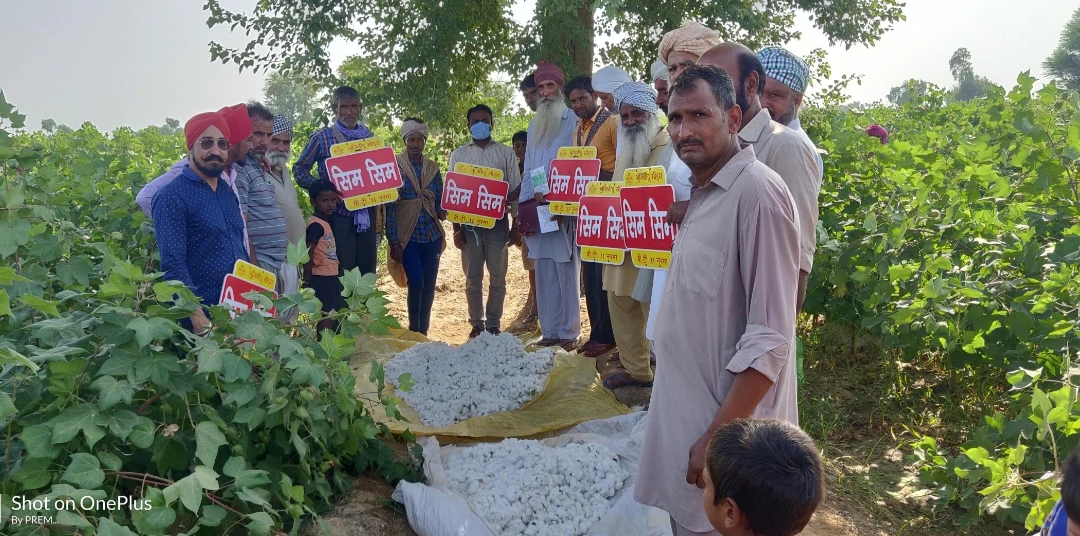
<point x="523" y="487"/>
<point x="489" y="374"/>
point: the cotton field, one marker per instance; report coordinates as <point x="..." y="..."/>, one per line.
<point x="489" y="374"/>
<point x="523" y="487"/>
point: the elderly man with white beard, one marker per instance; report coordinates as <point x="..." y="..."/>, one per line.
<point x="277" y="157"/>
<point x="558" y="267"/>
<point x="644" y="141"/>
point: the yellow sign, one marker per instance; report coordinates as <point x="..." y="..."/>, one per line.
<point x="564" y="209"/>
<point x="587" y="152"/>
<point x="254" y="275"/>
<point x="469" y="219"/>
<point x="645" y="176"/>
<point x="357" y="146"/>
<point x="602" y="255"/>
<point x="604" y="189"/>
<point x="479" y="171"/>
<point x="651" y="259"/>
<point x="369" y="200"/>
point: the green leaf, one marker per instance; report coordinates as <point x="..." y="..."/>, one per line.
<point x="40" y="304"/>
<point x="84" y="471"/>
<point x="257" y="496"/>
<point x="109" y="461"/>
<point x="251" y="478"/>
<point x="150" y="330"/>
<point x="7" y="408"/>
<point x="212" y="515"/>
<point x="5" y="304"/>
<point x="304" y="371"/>
<point x="120" y="364"/>
<point x="37" y="440"/>
<point x="297" y="254"/>
<point x="108" y="527"/>
<point x="112" y="391"/>
<point x="210" y="359"/>
<point x="978" y="455"/>
<point x="11" y="357"/>
<point x="120" y="422"/>
<point x="234" y="466"/>
<point x="190" y="488"/>
<point x="75" y="419"/>
<point x="208" y="439"/>
<point x="158" y="518"/>
<point x="406" y="382"/>
<point x="12" y="235"/>
<point x="142" y="434"/>
<point x="9" y="275"/>
<point x="156" y="368"/>
<point x="260" y="523"/>
<point x="236" y="368"/>
<point x="33" y="474"/>
<point x="940" y="263"/>
<point x="251" y="416"/>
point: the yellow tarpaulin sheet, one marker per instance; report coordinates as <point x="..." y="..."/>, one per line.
<point x="573" y="394"/>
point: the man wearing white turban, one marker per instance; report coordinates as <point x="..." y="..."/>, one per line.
<point x="644" y="143"/>
<point x="606" y="81"/>
<point x="660" y="83"/>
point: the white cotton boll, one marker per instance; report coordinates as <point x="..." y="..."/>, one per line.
<point x="489" y="374"/>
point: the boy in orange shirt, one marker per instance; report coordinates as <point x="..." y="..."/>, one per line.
<point x="322" y="270"/>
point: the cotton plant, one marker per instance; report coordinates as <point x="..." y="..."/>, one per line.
<point x="488" y="374"/>
<point x="523" y="487"/>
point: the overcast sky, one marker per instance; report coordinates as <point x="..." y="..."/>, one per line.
<point x="136" y="62"/>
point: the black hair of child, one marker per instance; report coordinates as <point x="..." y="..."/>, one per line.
<point x="1070" y="485"/>
<point x="320" y="187"/>
<point x="771" y="469"/>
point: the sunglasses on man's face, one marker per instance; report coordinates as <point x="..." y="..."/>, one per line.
<point x="208" y="143"/>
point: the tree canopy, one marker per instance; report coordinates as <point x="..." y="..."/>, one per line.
<point x="291" y="95"/>
<point x="968" y="84"/>
<point x="1064" y="62"/>
<point x="430" y="56"/>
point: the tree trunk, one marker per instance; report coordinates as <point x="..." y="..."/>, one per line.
<point x="567" y="34"/>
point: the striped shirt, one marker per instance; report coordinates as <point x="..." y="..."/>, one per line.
<point x="266" y="222"/>
<point x="315" y="154"/>
<point x="495" y="155"/>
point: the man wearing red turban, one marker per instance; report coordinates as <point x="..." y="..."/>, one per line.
<point x="558" y="266"/>
<point x="197" y="220"/>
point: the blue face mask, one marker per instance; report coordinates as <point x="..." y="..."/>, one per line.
<point x="480" y="131"/>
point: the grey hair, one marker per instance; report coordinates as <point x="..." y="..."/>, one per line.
<point x="344" y="92"/>
<point x="723" y="89"/>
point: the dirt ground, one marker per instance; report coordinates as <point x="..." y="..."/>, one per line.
<point x="368" y="510"/>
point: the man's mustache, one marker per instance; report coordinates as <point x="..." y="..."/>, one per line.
<point x="214" y="158"/>
<point x="686" y="143"/>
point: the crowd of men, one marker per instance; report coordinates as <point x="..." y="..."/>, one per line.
<point x="719" y="324"/>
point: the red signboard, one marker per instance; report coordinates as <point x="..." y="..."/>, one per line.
<point x="363" y="173"/>
<point x="644" y="210"/>
<point x="469" y="194"/>
<point x="567" y="179"/>
<point x="600" y="222"/>
<point x="232" y="296"/>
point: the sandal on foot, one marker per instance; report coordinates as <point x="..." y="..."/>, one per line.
<point x="597" y="350"/>
<point x="547" y="343"/>
<point x="570" y="345"/>
<point x="624" y="379"/>
<point x="614" y="358"/>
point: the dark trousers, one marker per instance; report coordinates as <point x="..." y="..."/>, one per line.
<point x="355" y="250"/>
<point x="421" y="263"/>
<point x="596" y="303"/>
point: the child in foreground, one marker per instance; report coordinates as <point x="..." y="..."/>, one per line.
<point x="763" y="477"/>
<point x="1064" y="519"/>
<point x="321" y="270"/>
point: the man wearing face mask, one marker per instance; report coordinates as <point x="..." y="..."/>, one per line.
<point x="486" y="247"/>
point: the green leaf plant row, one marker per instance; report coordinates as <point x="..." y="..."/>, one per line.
<point x="113" y="419"/>
<point x="961" y="237"/>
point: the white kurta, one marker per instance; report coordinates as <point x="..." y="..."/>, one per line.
<point x="678" y="175"/>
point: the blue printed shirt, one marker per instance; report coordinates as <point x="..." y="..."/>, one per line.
<point x="200" y="233"/>
<point x="427" y="229"/>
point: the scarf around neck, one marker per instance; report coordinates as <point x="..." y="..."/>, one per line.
<point x="358" y="133"/>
